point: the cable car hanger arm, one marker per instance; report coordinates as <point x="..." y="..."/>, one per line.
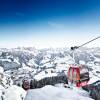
<point x="76" y="47"/>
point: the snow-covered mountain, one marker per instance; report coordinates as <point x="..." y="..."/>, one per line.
<point x="30" y="63"/>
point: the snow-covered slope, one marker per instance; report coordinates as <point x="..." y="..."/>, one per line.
<point x="55" y="93"/>
<point x="30" y="63"/>
<point x="14" y="93"/>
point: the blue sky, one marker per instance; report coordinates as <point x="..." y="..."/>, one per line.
<point x="49" y="23"/>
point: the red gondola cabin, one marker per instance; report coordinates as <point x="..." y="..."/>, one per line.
<point x="78" y="75"/>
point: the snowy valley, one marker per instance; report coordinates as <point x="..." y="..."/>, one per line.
<point x="20" y="64"/>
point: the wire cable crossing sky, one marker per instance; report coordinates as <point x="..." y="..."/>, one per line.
<point x="48" y="23"/>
